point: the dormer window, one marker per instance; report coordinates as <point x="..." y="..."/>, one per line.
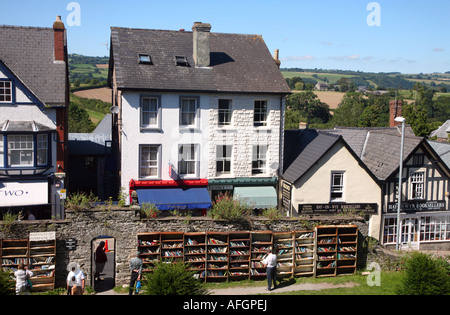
<point x="145" y="59"/>
<point x="5" y="91"/>
<point x="181" y="61"/>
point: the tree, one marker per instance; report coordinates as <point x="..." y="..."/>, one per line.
<point x="309" y="107"/>
<point x="79" y="121"/>
<point x="349" y="111"/>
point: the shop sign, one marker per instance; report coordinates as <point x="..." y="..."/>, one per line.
<point x="221" y="187"/>
<point x="417" y="206"/>
<point x="332" y="208"/>
<point x="42" y="236"/>
<point x="23" y="193"/>
<point x="71" y="244"/>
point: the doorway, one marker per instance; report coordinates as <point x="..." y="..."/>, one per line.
<point x="105" y="278"/>
<point x="409" y="239"/>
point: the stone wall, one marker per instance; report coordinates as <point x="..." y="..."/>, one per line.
<point x="125" y="223"/>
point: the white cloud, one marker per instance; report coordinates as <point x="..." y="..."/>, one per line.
<point x="298" y="58"/>
<point x="438" y="49"/>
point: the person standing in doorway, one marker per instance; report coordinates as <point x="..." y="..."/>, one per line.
<point x="100" y="260"/>
<point x="136" y="271"/>
<point x="270" y="262"/>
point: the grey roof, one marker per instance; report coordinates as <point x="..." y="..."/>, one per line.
<point x="239" y="63"/>
<point x="443" y="131"/>
<point x="23" y="126"/>
<point x="29" y="53"/>
<point x="379" y="148"/>
<point x="88" y="143"/>
<point x="311" y="146"/>
<point x="442" y="149"/>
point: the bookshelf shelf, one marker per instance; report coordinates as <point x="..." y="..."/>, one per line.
<point x="38" y="256"/>
<point x="326" y="251"/>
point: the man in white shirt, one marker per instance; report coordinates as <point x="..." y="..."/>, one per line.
<point x="270" y="263"/>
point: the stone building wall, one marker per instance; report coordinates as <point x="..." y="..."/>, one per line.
<point x="125" y="223"/>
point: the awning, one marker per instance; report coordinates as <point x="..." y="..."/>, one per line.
<point x="262" y="197"/>
<point x="175" y="198"/>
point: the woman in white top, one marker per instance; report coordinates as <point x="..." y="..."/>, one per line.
<point x="270" y="263"/>
<point x="21" y="279"/>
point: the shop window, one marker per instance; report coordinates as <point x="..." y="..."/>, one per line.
<point x="390" y="231"/>
<point x="435" y="228"/>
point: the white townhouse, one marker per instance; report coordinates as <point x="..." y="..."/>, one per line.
<point x="34" y="97"/>
<point x="196" y="114"/>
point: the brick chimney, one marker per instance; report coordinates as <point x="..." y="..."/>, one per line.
<point x="276" y="56"/>
<point x="60" y="39"/>
<point x="395" y="110"/>
<point x="202" y="50"/>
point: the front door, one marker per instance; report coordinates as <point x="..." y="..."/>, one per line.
<point x="410" y="236"/>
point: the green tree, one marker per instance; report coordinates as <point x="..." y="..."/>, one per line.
<point x="6" y="285"/>
<point x="307" y="105"/>
<point x="349" y="110"/>
<point x="79" y="121"/>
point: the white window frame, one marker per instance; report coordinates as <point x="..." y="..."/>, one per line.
<point x="337" y="188"/>
<point x="260" y="116"/>
<point x="146" y="163"/>
<point x="188" y="162"/>
<point x="224" y="154"/>
<point x="259" y="156"/>
<point x="4" y="86"/>
<point x="417" y="185"/>
<point x="2" y="151"/>
<point x="189" y="111"/>
<point x="146" y="125"/>
<point x="42" y="149"/>
<point x="226" y="114"/>
<point x="23" y="145"/>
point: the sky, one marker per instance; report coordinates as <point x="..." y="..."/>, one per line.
<point x="407" y="36"/>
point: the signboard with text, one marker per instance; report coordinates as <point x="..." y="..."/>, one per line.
<point x="418" y="206"/>
<point x="335" y="208"/>
<point x="24" y="193"/>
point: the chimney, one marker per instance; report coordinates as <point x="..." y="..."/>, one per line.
<point x="302" y="125"/>
<point x="60" y="39"/>
<point x="202" y="51"/>
<point x="277" y="57"/>
<point x="395" y="110"/>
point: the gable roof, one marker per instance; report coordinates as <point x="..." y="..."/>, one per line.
<point x="239" y="63"/>
<point x="311" y="146"/>
<point x="379" y="148"/>
<point x="29" y="53"/>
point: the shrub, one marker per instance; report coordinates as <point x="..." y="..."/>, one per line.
<point x="425" y="275"/>
<point x="173" y="279"/>
<point x="7" y="286"/>
<point x="228" y="209"/>
<point x="149" y="210"/>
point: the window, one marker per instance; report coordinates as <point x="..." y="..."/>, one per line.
<point x="337" y="186"/>
<point x="2" y="156"/>
<point x="181" y="61"/>
<point x="188" y="115"/>
<point x="5" y="91"/>
<point x="223" y="160"/>
<point x="435" y="228"/>
<point x="260" y="114"/>
<point x="417" y="185"/>
<point x="390" y="230"/>
<point x="187" y="159"/>
<point x="259" y="159"/>
<point x="145" y="59"/>
<point x="20" y="150"/>
<point x="225" y="112"/>
<point x="149" y="161"/>
<point x="150" y="112"/>
<point x="42" y="150"/>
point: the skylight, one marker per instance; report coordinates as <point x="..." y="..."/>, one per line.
<point x="145" y="59"/>
<point x="181" y="61"/>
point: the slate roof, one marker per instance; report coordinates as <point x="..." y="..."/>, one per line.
<point x="379" y="148"/>
<point x="239" y="63"/>
<point x="29" y="53"/>
<point x="306" y="147"/>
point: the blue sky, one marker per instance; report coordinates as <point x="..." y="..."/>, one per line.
<point x="412" y="36"/>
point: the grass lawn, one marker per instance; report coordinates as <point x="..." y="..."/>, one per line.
<point x="389" y="283"/>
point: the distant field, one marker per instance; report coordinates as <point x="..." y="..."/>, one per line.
<point x="332" y="78"/>
<point x="103" y="94"/>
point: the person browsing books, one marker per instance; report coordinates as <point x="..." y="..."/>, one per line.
<point x="270" y="263"/>
<point x="22" y="275"/>
<point x="136" y="271"/>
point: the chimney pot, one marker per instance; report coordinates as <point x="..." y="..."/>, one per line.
<point x="277" y="57"/>
<point x="59" y="39"/>
<point x="202" y="50"/>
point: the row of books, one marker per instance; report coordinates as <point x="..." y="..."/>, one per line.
<point x="191" y="242"/>
<point x="306" y="235"/>
<point x="14" y="261"/>
<point x="304" y="249"/>
<point x="238" y="244"/>
<point x="213" y="241"/>
<point x="172" y="245"/>
<point x="220" y="250"/>
<point x="240" y="252"/>
<point x="174" y="253"/>
<point x="148" y="243"/>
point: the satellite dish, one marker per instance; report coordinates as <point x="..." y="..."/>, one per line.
<point x="114" y="109"/>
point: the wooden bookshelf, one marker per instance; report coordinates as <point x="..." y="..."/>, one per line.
<point x="217" y="257"/>
<point x="283" y="243"/>
<point x="304" y="249"/>
<point x="195" y="252"/>
<point x="260" y="243"/>
<point x="15" y="252"/>
<point x="326" y="239"/>
<point x="42" y="264"/>
<point x="172" y="246"/>
<point x="347" y="249"/>
<point x="149" y="247"/>
<point x="239" y="249"/>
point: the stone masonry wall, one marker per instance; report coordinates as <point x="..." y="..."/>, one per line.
<point x="125" y="223"/>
